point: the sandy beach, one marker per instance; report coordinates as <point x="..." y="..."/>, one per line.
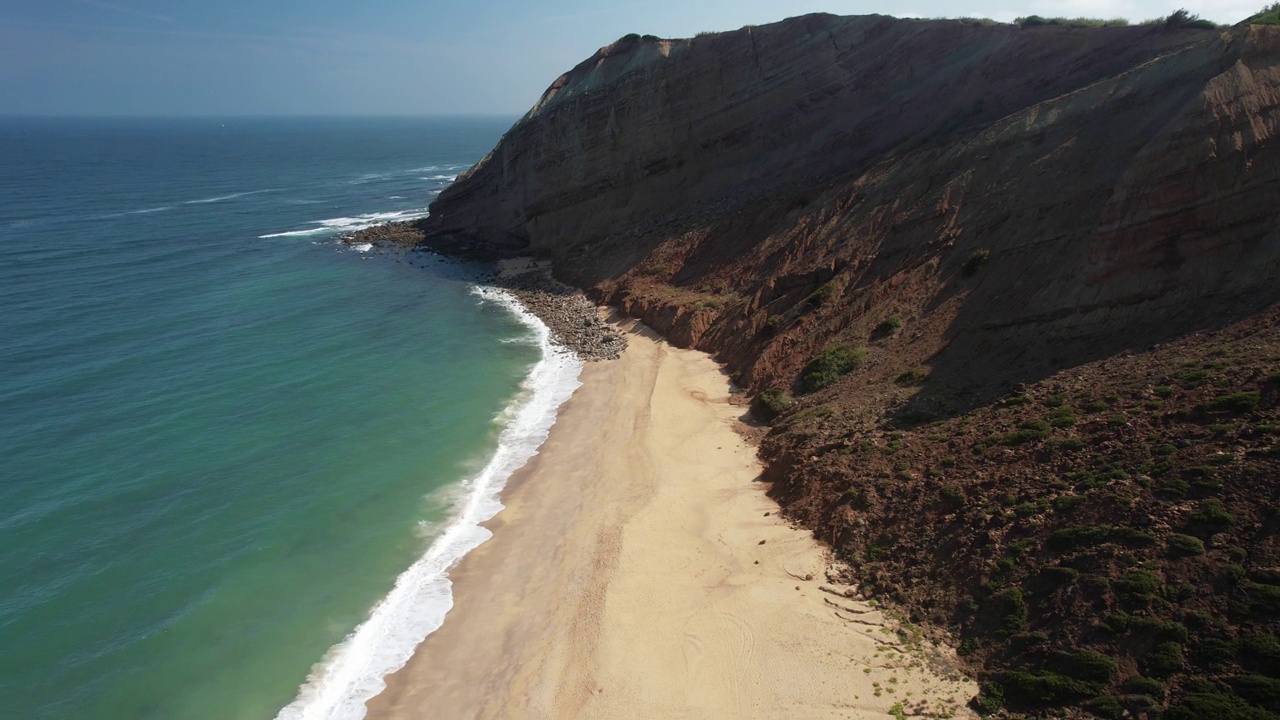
<point x="640" y="571"/>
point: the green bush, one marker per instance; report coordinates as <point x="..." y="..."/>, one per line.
<point x="1215" y="706"/>
<point x="1263" y="599"/>
<point x="822" y="294"/>
<point x="1139" y="584"/>
<point x="1133" y="537"/>
<point x="1164" y="391"/>
<point x="1076" y="536"/>
<point x="1258" y="689"/>
<point x="977" y="260"/>
<point x="1184" y="546"/>
<point x="1212" y="514"/>
<point x="953" y="496"/>
<point x="629" y="37"/>
<point x="1140" y="685"/>
<point x="1164" y="659"/>
<point x="890" y="326"/>
<point x="912" y="377"/>
<point x="1235" y="403"/>
<point x="772" y="324"/>
<point x="1045" y="688"/>
<point x="1106" y="707"/>
<point x="1012" y="609"/>
<point x="1181" y="19"/>
<point x="771" y="403"/>
<point x="827" y="366"/>
<point x="1085" y="665"/>
<point x="1068" y="503"/>
<point x="1261" y="651"/>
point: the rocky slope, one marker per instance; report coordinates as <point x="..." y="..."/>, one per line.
<point x="920" y="242"/>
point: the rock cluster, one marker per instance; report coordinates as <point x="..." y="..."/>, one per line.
<point x="575" y="321"/>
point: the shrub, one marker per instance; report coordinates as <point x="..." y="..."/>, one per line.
<point x="629" y="37"/>
<point x="1212" y="514"/>
<point x="977" y="260"/>
<point x="1164" y="391"/>
<point x="1262" y="651"/>
<point x="1085" y="665"/>
<point x="1218" y="706"/>
<point x="1236" y="403"/>
<point x="914" y="376"/>
<point x="1106" y="707"/>
<point x="890" y="326"/>
<point x="1012" y="609"/>
<point x="1269" y="15"/>
<point x="822" y="294"/>
<point x="1257" y="689"/>
<point x="772" y="324"/>
<point x="1164" y="659"/>
<point x="1133" y="537"/>
<point x="1140" y="685"/>
<point x="1262" y="598"/>
<point x="1184" y="546"/>
<point x="1139" y="585"/>
<point x="1180" y="19"/>
<point x="1057" y="575"/>
<point x="1063" y="421"/>
<point x="1215" y="651"/>
<point x="771" y="403"/>
<point x="1068" y="503"/>
<point x="1076" y="536"/>
<point x="1023" y="687"/>
<point x="827" y="366"/>
<point x="1029" y="432"/>
<point x="953" y="496"/>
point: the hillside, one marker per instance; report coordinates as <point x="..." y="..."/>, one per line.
<point x="1006" y="294"/>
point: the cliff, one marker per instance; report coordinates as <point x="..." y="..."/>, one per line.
<point x="989" y="223"/>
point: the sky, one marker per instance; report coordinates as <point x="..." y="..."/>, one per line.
<point x="388" y="57"/>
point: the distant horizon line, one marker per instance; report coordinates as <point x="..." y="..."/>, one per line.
<point x="253" y="116"/>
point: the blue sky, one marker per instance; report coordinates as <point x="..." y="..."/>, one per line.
<point x="231" y="57"/>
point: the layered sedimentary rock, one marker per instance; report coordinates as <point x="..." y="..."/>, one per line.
<point x="1060" y="217"/>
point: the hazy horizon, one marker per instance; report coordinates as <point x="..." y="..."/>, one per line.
<point x="152" y="58"/>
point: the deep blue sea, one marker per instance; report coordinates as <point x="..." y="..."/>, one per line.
<point x="236" y="455"/>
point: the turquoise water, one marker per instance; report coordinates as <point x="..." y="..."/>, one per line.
<point x="224" y="435"/>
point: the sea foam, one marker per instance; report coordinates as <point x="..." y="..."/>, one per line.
<point x="350" y="224"/>
<point x="353" y="670"/>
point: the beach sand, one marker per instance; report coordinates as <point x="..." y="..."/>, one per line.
<point x="640" y="571"/>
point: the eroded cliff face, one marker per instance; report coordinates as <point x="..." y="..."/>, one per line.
<point x="708" y="184"/>
<point x="1007" y="221"/>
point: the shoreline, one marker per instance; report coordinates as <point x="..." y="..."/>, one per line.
<point x="639" y="570"/>
<point x="353" y="670"/>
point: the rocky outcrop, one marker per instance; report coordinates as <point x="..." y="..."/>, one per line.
<point x="1120" y="179"/>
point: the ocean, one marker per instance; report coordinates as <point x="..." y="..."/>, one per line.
<point x="238" y="455"/>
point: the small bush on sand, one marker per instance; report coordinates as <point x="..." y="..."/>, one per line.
<point x="771" y="403"/>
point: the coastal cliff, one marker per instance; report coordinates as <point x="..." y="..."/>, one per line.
<point x="1007" y="294"/>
